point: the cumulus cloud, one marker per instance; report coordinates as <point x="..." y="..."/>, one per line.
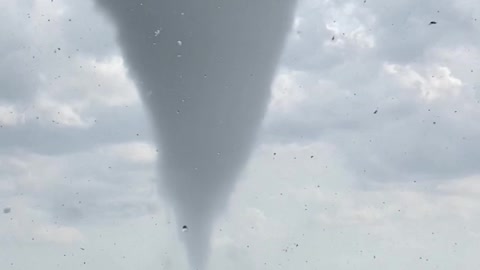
<point x="384" y="85"/>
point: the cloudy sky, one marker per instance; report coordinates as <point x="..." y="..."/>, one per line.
<point x="367" y="158"/>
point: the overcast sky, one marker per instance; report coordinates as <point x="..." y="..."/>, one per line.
<point x="367" y="158"/>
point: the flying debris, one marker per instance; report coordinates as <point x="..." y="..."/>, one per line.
<point x="184" y="228"/>
<point x="432" y="22"/>
<point x="375" y="112"/>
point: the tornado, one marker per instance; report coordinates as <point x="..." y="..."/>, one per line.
<point x="204" y="70"/>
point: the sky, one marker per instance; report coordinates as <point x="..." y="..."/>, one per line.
<point x="366" y="158"/>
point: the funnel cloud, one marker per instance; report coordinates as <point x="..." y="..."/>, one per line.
<point x="204" y="69"/>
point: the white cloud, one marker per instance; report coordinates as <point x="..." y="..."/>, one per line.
<point x="433" y="83"/>
<point x="10" y="116"/>
<point x="115" y="88"/>
<point x="135" y="152"/>
<point x="61" y="113"/>
<point x="286" y="92"/>
<point x="58" y="234"/>
<point x="30" y="173"/>
<point x="88" y="83"/>
<point x="79" y="92"/>
<point x="469" y="186"/>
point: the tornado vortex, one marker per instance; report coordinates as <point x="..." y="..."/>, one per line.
<point x="204" y="69"/>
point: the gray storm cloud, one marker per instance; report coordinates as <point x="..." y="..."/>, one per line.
<point x="204" y="68"/>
